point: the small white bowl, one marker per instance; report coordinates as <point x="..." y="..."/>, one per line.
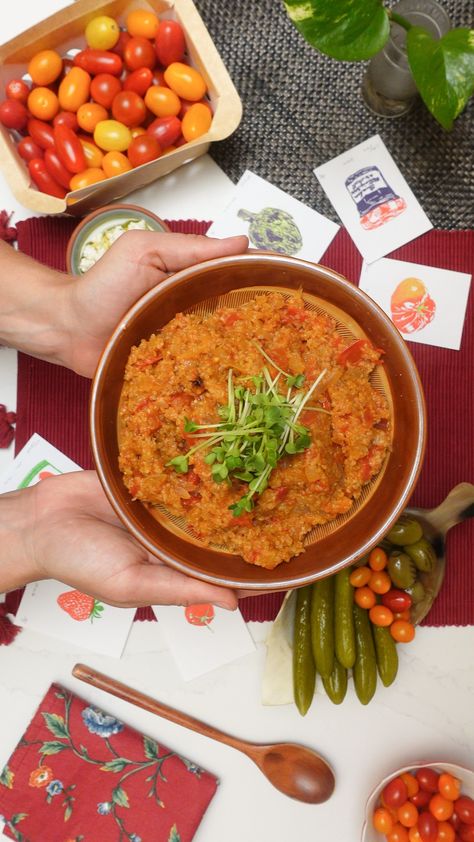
<point x="466" y="776"/>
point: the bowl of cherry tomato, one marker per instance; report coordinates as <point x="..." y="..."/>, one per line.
<point x="131" y="96"/>
<point x="423" y="802"/>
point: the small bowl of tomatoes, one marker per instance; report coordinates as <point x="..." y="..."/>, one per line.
<point x="422" y="802"/>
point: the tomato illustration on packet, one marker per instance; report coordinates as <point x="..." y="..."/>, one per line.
<point x="200" y="614"/>
<point x="411" y="306"/>
<point x="80" y="606"/>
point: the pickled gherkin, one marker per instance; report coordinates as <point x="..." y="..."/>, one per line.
<point x="304" y="670"/>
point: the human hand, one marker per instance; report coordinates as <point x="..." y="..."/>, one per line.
<point x="136" y="262"/>
<point x="73" y="535"/>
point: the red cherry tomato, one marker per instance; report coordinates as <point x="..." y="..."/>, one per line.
<point x="165" y="130"/>
<point x="17" y="89"/>
<point x="427" y="827"/>
<point x="41" y="133"/>
<point x="169" y="42"/>
<point x="464" y="808"/>
<point x="138" y="81"/>
<point x="143" y="149"/>
<point x="66" y="118"/>
<point x="43" y="180"/>
<point x="397" y="600"/>
<point x="104" y="89"/>
<point x="99" y="61"/>
<point x="139" y="53"/>
<point x="13" y="114"/>
<point x="56" y="169"/>
<point x="395" y="793"/>
<point x="129" y="108"/>
<point x="465" y="833"/>
<point x="122" y="42"/>
<point x="69" y="149"/>
<point x="158" y="78"/>
<point x="428" y="779"/>
<point x="421" y="799"/>
<point x="28" y="149"/>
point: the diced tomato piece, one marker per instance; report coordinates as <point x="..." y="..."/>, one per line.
<point x="230" y="318"/>
<point x="245" y="519"/>
<point x="306" y="417"/>
<point x="193" y="498"/>
<point x="368" y="417"/>
<point x="181" y="399"/>
<point x="193" y="478"/>
<point x="353" y="353"/>
<point x="292" y="314"/>
<point x="142" y="404"/>
<point x="281" y="492"/>
<point x="141" y="364"/>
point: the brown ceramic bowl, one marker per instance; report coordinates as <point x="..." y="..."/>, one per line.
<point x="331" y="547"/>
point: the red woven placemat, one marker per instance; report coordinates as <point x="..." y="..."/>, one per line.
<point x="53" y="401"/>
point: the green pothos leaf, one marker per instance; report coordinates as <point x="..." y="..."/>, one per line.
<point x="443" y="70"/>
<point x="349" y="30"/>
<point x="174" y="835"/>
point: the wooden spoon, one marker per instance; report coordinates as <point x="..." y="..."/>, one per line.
<point x="295" y="770"/>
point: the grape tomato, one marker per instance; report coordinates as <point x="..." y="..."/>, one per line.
<point x="74" y="89"/>
<point x="166" y="130"/>
<point x="112" y="135"/>
<point x="170" y="43"/>
<point x="139" y="53"/>
<point x="427" y="827"/>
<point x="104" y="89"/>
<point x="45" y="67"/>
<point x="13" y="114"/>
<point x="185" y="81"/>
<point x="69" y="149"/>
<point x="162" y="101"/>
<point x="449" y="786"/>
<point x="56" y="168"/>
<point x="115" y="163"/>
<point x="42" y="133"/>
<point x="143" y="23"/>
<point x="196" y="121"/>
<point x="397" y="600"/>
<point x="84" y="179"/>
<point x="43" y="180"/>
<point x="428" y="779"/>
<point x="28" y="149"/>
<point x="464" y="807"/>
<point x="66" y="118"/>
<point x="99" y="61"/>
<point x="395" y="793"/>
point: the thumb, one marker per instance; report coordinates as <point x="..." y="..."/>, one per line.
<point x="178" y="251"/>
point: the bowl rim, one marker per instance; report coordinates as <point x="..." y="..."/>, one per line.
<point x="104" y="210"/>
<point x="287" y="581"/>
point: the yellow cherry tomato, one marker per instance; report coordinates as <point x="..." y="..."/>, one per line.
<point x="89" y="114"/>
<point x="163" y="102"/>
<point x="93" y="155"/>
<point x="143" y="23"/>
<point x="45" y="67"/>
<point x="196" y="121"/>
<point x="87" y="177"/>
<point x="112" y="135"/>
<point x="115" y="163"/>
<point x="102" y="33"/>
<point x="43" y="103"/>
<point x="185" y="81"/>
<point x="137" y="130"/>
<point x="74" y="89"/>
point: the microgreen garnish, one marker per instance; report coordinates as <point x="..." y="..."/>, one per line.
<point x="258" y="427"/>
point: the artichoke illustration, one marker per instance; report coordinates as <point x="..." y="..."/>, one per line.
<point x="273" y="229"/>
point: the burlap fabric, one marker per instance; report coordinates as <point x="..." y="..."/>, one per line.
<point x="302" y="109"/>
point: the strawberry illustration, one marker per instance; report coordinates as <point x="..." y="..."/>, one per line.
<point x="80" y="606"/>
<point x="200" y="614"/>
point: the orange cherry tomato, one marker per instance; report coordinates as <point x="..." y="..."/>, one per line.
<point x="402" y="631"/>
<point x="446" y="832"/>
<point x="93" y="155"/>
<point x="408" y="814"/>
<point x="84" y="179"/>
<point x="137" y="131"/>
<point x="89" y="114"/>
<point x="186" y="105"/>
<point x="411" y="783"/>
<point x="360" y="577"/>
<point x="398" y="834"/>
<point x="380" y="615"/>
<point x="402" y="615"/>
<point x="185" y="81"/>
<point x="74" y="89"/>
<point x="45" y="67"/>
<point x="196" y="121"/>
<point x="115" y="163"/>
<point x="380" y="582"/>
<point x="441" y="808"/>
<point x="449" y="786"/>
<point x="43" y="103"/>
<point x="414" y="835"/>
<point x="142" y="22"/>
<point x="364" y="597"/>
<point x="378" y="557"/>
<point x="382" y="820"/>
<point x="163" y="102"/>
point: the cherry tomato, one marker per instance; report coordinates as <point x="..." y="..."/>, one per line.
<point x="186" y="105"/>
<point x="137" y="131"/>
<point x="115" y="163"/>
<point x="112" y="135"/>
<point x="162" y="101"/>
<point x="441" y="808"/>
<point x="69" y="149"/>
<point x="158" y="78"/>
<point x="13" y="114"/>
<point x="464" y="807"/>
<point x="446" y="833"/>
<point x="395" y="793"/>
<point x="17" y="89"/>
<point x="428" y="779"/>
<point x="402" y="615"/>
<point x="102" y="32"/>
<point x="43" y="103"/>
<point x="449" y="786"/>
<point x="427" y="827"/>
<point x="466" y="833"/>
<point x="380" y="582"/>
<point x="99" y="61"/>
<point x="142" y="22"/>
<point x="411" y="783"/>
<point x="104" y="89"/>
<point x="74" y="89"/>
<point x="169" y="44"/>
<point x="129" y="108"/>
<point x="89" y="114"/>
<point x="66" y="118"/>
<point x="396" y="600"/>
<point x="93" y="155"/>
<point x="165" y="130"/>
<point x="378" y="557"/>
<point x="196" y="121"/>
<point x="43" y="180"/>
<point x="398" y="834"/>
<point x="382" y="820"/>
<point x="364" y="597"/>
<point x="143" y="149"/>
<point x="119" y="47"/>
<point x="421" y="799"/>
<point x="56" y="168"/>
<point x="455" y="821"/>
<point x="185" y="81"/>
<point x="139" y="81"/>
<point x="360" y="577"/>
<point x="381" y="616"/>
<point x="402" y="631"/>
<point x="414" y="835"/>
<point x="84" y="179"/>
<point x="42" y="133"/>
<point x="139" y="53"/>
<point x="407" y="814"/>
<point x="28" y="149"/>
<point x="45" y="67"/>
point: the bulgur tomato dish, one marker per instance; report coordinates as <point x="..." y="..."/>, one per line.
<point x="255" y="423"/>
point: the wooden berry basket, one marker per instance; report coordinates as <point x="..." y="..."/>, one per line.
<point x="64" y="31"/>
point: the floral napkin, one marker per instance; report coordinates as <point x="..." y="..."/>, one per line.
<point x="81" y="775"/>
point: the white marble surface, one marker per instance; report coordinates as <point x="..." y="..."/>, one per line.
<point x="427" y="714"/>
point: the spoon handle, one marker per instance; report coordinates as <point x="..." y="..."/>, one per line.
<point x="141" y="700"/>
<point x="456" y="507"/>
